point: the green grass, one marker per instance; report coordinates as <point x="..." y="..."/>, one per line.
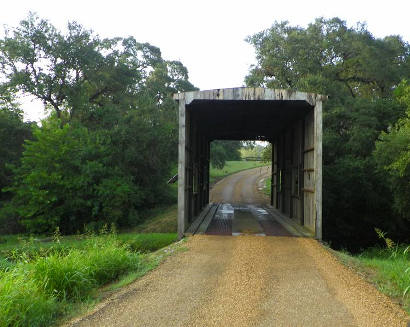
<point x="388" y="269"/>
<point x="145" y="243"/>
<point x="23" y="302"/>
<point x="267" y="189"/>
<point x="232" y="167"/>
<point x="163" y="222"/>
<point x="392" y="269"/>
<point x="38" y="289"/>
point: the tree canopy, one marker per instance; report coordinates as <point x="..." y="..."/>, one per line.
<point x="392" y="154"/>
<point x="105" y="152"/>
<point x="359" y="73"/>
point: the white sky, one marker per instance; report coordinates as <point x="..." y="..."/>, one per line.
<point x="206" y="36"/>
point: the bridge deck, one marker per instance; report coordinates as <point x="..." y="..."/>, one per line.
<point x="246" y="219"/>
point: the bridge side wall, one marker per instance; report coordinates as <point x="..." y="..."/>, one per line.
<point x="193" y="168"/>
<point x="297" y="171"/>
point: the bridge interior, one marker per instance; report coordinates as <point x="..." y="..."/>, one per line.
<point x="291" y="121"/>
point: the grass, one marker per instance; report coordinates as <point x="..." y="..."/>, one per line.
<point x="392" y="271"/>
<point x="387" y="268"/>
<point x="267" y="189"/>
<point x="38" y="289"/>
<point x="163" y="222"/>
<point x="232" y="167"/>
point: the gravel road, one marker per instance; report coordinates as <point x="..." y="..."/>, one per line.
<point x="248" y="281"/>
<point x="241" y="188"/>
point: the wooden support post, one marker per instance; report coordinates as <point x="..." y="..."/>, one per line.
<point x="272" y="183"/>
<point x="318" y="169"/>
<point x="182" y="201"/>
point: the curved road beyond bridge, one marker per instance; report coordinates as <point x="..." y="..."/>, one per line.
<point x="248" y="280"/>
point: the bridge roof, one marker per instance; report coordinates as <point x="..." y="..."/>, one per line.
<point x="247" y="113"/>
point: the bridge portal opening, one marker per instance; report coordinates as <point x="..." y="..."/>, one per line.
<point x="291" y="121"/>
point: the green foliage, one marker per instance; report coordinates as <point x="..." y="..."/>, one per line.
<point x="151" y="242"/>
<point x="392" y="266"/>
<point x="222" y="151"/>
<point x="267" y="153"/>
<point x="107" y="149"/>
<point x="74" y="275"/>
<point x="16" y="248"/>
<point x="66" y="179"/>
<point x="393" y="155"/>
<point x="251" y="149"/>
<point x="23" y="302"/>
<point x="37" y="290"/>
<point x="13" y="132"/>
<point x="268" y="187"/>
<point x="326" y="51"/>
<point x="358" y="72"/>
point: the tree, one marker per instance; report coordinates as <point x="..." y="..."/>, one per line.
<point x="351" y="59"/>
<point x="79" y="73"/>
<point x="13" y="132"/>
<point x="359" y="73"/>
<point x="393" y="156"/>
<point x="222" y="151"/>
<point x="267" y="153"/>
<point x="105" y="152"/>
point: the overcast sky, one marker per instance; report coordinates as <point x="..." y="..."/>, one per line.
<point x="206" y="36"/>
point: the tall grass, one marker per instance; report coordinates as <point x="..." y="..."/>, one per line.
<point x="75" y="275"/>
<point x="34" y="291"/>
<point x="23" y="302"/>
<point x="392" y="266"/>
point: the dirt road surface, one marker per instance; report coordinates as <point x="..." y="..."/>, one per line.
<point x="241" y="188"/>
<point x="248" y="280"/>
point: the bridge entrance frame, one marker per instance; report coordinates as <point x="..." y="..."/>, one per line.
<point x="290" y="120"/>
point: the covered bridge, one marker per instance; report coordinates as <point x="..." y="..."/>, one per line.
<point x="290" y="120"/>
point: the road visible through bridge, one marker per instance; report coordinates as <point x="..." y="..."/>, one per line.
<point x="241" y="207"/>
<point x="248" y="280"/>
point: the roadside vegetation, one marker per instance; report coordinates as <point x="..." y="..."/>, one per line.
<point x="366" y="167"/>
<point x="43" y="281"/>
<point x="387" y="267"/>
<point x="267" y="189"/>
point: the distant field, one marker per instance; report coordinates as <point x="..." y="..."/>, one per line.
<point x="233" y="167"/>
